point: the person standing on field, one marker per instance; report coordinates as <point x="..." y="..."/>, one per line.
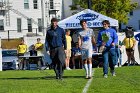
<point x="107" y="38"/>
<point x="86" y="41"/>
<point x="55" y="43"/>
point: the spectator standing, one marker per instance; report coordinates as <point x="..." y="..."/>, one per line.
<point x="85" y="41"/>
<point x="55" y="40"/>
<point x="137" y="37"/>
<point x="108" y="39"/>
<point x="118" y="56"/>
<point x="129" y="44"/>
<point x="21" y="50"/>
<point x="39" y="48"/>
<point x="68" y="51"/>
<point x="74" y="37"/>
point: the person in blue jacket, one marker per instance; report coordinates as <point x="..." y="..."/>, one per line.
<point x="108" y="39"/>
<point x="137" y="37"/>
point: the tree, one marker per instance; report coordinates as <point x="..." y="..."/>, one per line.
<point x="118" y="9"/>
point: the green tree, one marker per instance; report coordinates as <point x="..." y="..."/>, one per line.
<point x="118" y="9"/>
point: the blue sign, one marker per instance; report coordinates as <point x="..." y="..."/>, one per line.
<point x="72" y="24"/>
<point x="89" y="24"/>
<point x="87" y="17"/>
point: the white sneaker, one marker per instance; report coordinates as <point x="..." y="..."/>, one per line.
<point x="116" y="66"/>
<point x="67" y="68"/>
<point x="86" y="77"/>
<point x="113" y="74"/>
<point x="105" y="75"/>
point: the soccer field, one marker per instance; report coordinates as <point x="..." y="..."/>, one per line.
<point x="126" y="81"/>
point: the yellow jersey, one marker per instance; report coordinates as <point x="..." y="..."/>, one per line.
<point x="22" y="48"/>
<point x="39" y="46"/>
<point x="129" y="42"/>
<point x="68" y="40"/>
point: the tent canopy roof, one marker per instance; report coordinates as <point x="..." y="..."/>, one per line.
<point x="93" y="18"/>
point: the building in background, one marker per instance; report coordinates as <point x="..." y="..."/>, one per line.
<point x="27" y="17"/>
<point x="66" y="11"/>
<point x="32" y="17"/>
<point x="134" y="19"/>
<point x="66" y="8"/>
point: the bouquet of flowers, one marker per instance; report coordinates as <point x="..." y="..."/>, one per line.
<point x="105" y="37"/>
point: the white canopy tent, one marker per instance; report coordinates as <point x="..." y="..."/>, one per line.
<point x="93" y="18"/>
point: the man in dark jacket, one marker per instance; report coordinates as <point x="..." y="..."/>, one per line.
<point x="55" y="43"/>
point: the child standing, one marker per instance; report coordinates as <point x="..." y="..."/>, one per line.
<point x="68" y="50"/>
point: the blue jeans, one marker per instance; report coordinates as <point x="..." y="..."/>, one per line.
<point x="118" y="56"/>
<point x="109" y="57"/>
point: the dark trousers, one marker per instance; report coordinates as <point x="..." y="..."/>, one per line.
<point x="130" y="55"/>
<point x="58" y="68"/>
<point x="109" y="57"/>
<point x="58" y="59"/>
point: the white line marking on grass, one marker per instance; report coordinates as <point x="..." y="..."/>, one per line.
<point x="88" y="84"/>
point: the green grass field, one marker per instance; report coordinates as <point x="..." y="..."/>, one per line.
<point x="126" y="81"/>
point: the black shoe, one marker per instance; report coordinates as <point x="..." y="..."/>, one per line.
<point x="113" y="72"/>
<point x="90" y="77"/>
<point x="60" y="77"/>
<point x="57" y="77"/>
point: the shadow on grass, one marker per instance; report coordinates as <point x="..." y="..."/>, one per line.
<point x="38" y="78"/>
<point x="73" y="76"/>
<point x="29" y="78"/>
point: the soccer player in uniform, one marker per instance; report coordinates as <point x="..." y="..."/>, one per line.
<point x="86" y="41"/>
